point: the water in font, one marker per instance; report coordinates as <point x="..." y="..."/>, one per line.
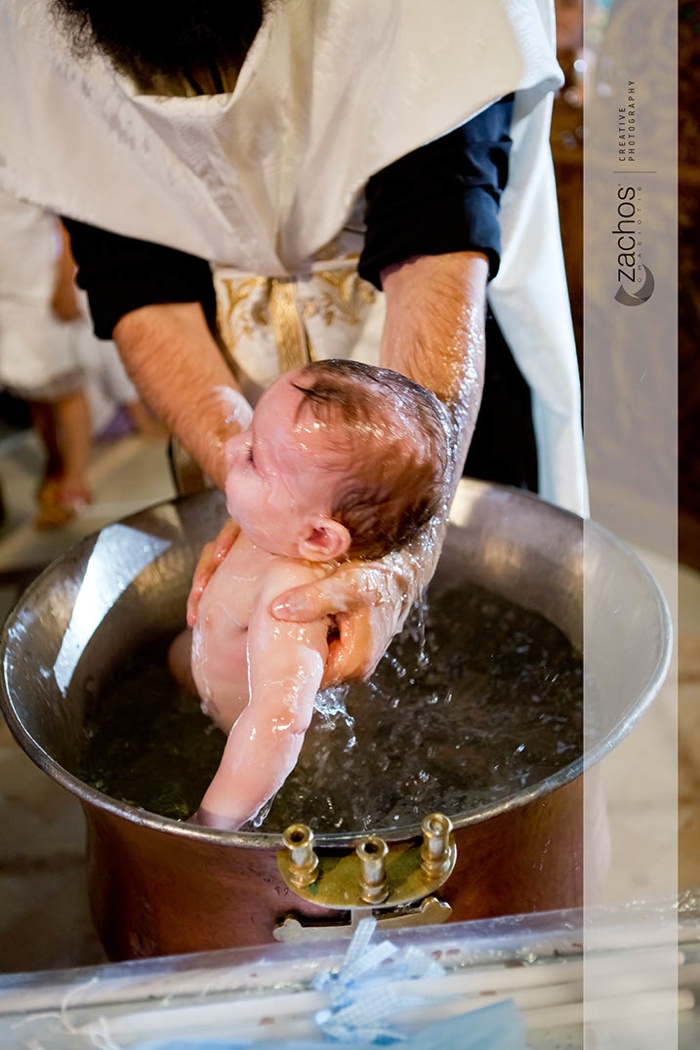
<point x="477" y="699"/>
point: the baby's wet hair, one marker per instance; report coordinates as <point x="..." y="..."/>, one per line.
<point x="394" y="488"/>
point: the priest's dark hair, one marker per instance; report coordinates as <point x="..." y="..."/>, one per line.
<point x="166" y="37"/>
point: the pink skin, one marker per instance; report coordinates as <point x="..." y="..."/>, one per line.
<point x="278" y="486"/>
<point x="257" y="677"/>
<point x="274" y="674"/>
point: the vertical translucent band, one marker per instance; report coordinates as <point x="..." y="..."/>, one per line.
<point x="630" y="427"/>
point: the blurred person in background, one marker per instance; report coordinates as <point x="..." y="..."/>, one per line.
<point x="75" y="386"/>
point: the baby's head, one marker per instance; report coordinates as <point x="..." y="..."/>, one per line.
<point x="341" y="458"/>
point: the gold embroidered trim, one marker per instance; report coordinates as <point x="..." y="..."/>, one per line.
<point x="249" y="303"/>
<point x="345" y="297"/>
<point x="290" y="336"/>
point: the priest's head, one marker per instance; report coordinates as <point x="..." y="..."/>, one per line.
<point x="167" y="38"/>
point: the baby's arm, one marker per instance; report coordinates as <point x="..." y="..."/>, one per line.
<point x="286" y="662"/>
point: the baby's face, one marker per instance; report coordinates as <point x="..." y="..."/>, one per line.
<point x="278" y="470"/>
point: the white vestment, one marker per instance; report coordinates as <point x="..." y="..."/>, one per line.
<point x="265" y="181"/>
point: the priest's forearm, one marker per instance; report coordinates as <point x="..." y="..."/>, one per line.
<point x="434" y="333"/>
<point x="179" y="371"/>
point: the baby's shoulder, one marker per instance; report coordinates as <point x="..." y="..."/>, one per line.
<point x="282" y="573"/>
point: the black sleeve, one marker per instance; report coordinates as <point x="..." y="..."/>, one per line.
<point x="443" y="197"/>
<point x="121" y="274"/>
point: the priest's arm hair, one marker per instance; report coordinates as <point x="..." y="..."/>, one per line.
<point x="175" y="363"/>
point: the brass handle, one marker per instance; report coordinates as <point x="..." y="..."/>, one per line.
<point x="430" y="912"/>
<point x="373" y="873"/>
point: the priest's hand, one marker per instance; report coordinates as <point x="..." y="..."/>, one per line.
<point x="368" y="601"/>
<point x="213" y="553"/>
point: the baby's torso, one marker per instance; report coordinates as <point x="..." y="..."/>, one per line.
<point x="219" y="642"/>
<point x="229" y="596"/>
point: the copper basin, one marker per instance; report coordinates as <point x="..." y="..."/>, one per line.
<point x="160" y="887"/>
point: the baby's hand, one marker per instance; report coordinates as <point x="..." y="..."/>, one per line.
<point x="212" y="555"/>
<point x="204" y="819"/>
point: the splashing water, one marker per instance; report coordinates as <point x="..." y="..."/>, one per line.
<point x="475" y="700"/>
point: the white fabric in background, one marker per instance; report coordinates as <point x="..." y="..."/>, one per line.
<point x="35" y="348"/>
<point x="38" y="351"/>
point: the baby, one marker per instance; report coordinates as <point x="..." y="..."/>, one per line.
<point x="341" y="460"/>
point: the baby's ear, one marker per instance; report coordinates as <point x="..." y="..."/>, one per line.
<point x="324" y="539"/>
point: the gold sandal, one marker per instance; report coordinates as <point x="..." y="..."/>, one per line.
<point x="59" y="504"/>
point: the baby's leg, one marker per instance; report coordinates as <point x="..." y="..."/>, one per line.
<point x="180" y="661"/>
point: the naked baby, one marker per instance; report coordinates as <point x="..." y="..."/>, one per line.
<point x="341" y="460"/>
